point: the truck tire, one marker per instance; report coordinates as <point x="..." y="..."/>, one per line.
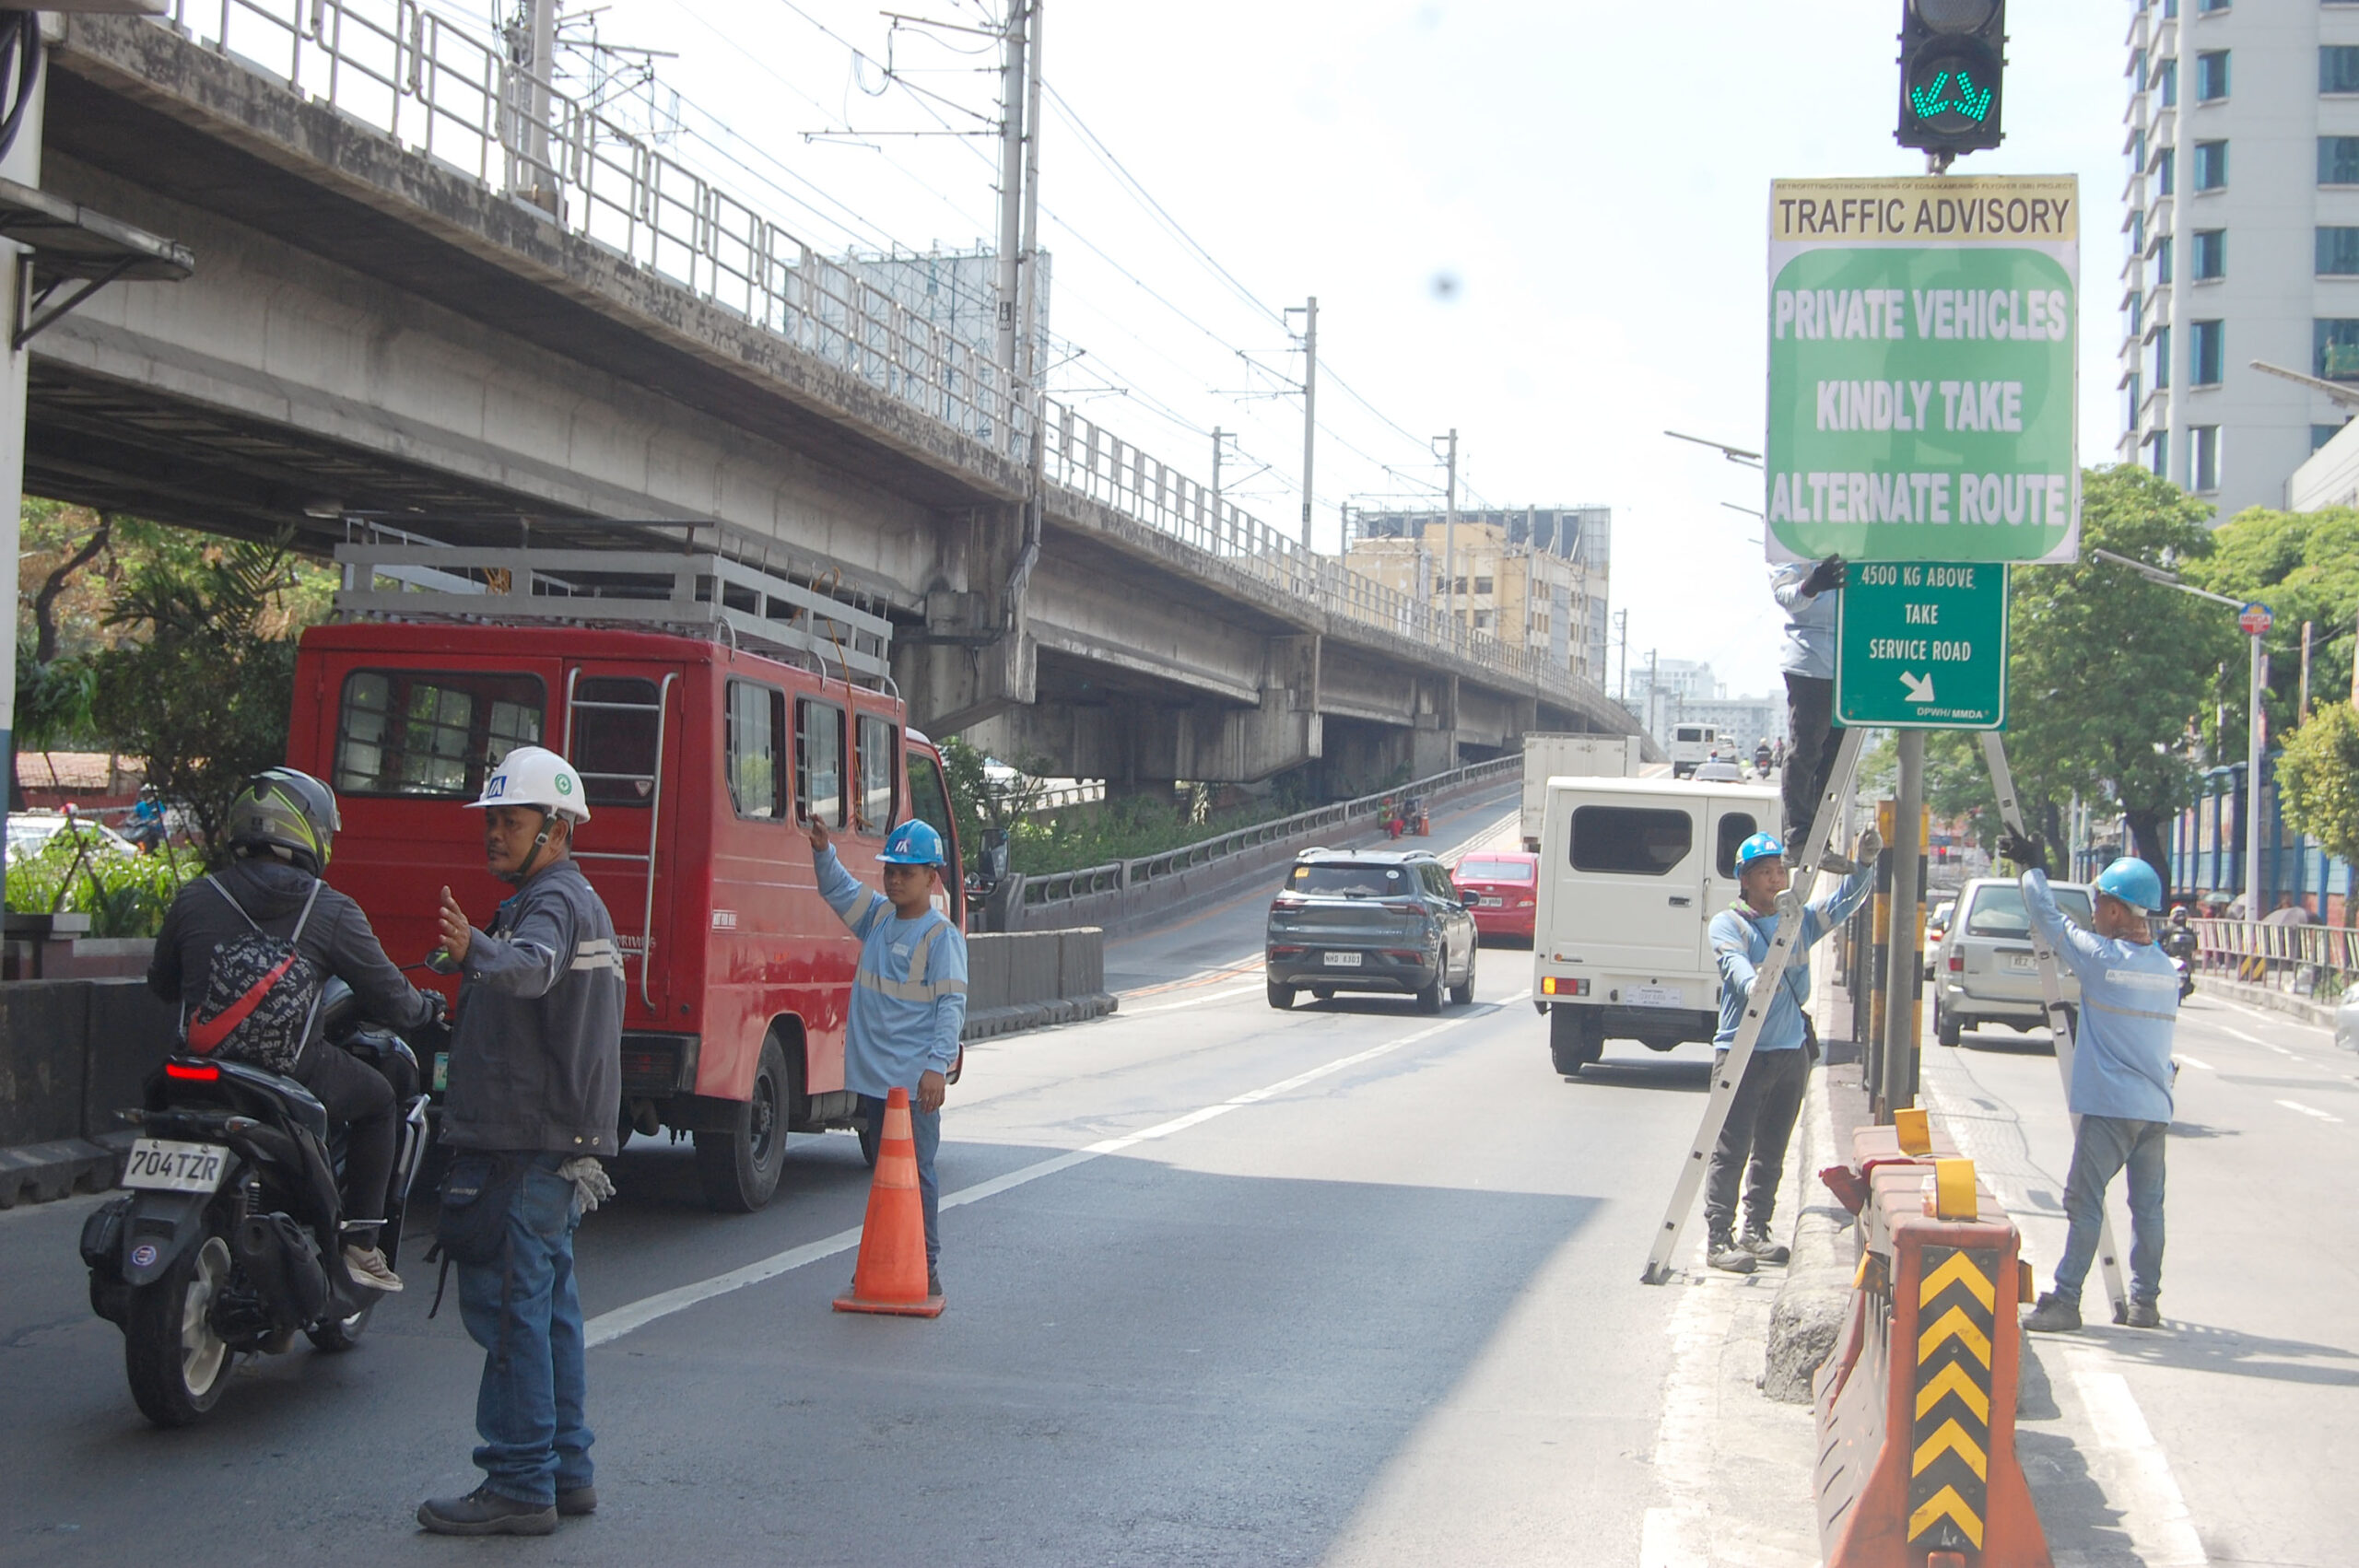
<point x="176" y="1362"/>
<point x="1571" y="1045"/>
<point x="738" y="1167"/>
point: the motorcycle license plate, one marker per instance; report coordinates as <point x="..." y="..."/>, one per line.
<point x="1341" y="960"/>
<point x="159" y="1164"/>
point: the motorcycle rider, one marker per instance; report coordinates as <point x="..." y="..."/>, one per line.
<point x="280" y="830"/>
<point x="2179" y="939"/>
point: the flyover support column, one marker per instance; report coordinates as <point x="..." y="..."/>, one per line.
<point x="21" y="163"/>
<point x="1433" y="735"/>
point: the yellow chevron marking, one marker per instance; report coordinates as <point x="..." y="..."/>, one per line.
<point x="1951" y="1436"/>
<point x="1959" y="1270"/>
<point x="1946" y="1500"/>
<point x="1954" y="1324"/>
<point x="1951" y="1379"/>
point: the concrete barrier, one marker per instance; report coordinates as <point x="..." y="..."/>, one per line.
<point x="1018" y="980"/>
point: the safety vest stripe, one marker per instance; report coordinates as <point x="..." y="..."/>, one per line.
<point x="923" y="951"/>
<point x="910" y="990"/>
<point x="2133" y="1012"/>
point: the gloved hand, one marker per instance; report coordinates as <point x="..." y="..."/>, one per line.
<point x="1827" y="574"/>
<point x="439" y="1008"/>
<point x="2025" y="849"/>
<point x="1870" y="845"/>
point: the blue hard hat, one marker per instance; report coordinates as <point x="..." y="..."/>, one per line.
<point x="912" y="843"/>
<point x="2134" y="882"/>
<point x="1760" y="846"/>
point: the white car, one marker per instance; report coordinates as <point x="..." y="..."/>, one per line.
<point x="2346" y="1020"/>
<point x="30" y="832"/>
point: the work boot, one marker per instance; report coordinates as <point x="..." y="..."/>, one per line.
<point x="1757" y="1241"/>
<point x="1723" y="1253"/>
<point x="2145" y="1315"/>
<point x="2053" y="1314"/>
<point x="484" y="1512"/>
<point x="573" y="1503"/>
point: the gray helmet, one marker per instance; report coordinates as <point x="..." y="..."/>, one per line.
<point x="286" y="814"/>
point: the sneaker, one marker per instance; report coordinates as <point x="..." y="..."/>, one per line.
<point x="1758" y="1244"/>
<point x="484" y="1512"/>
<point x="2053" y="1314"/>
<point x="1723" y="1253"/>
<point x="932" y="1284"/>
<point x="574" y="1502"/>
<point x="369" y="1269"/>
<point x="2145" y="1315"/>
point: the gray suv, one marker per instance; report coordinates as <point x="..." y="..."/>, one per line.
<point x="1986" y="973"/>
<point x="1370" y="921"/>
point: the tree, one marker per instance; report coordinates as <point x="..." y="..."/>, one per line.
<point x="2318" y="777"/>
<point x="53" y="694"/>
<point x="2305" y="566"/>
<point x="2109" y="671"/>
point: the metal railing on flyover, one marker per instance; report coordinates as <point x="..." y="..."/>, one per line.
<point x="436" y="86"/>
<point x="1058" y="887"/>
<point x="2312" y="961"/>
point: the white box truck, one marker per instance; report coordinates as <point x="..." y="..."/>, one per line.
<point x="1547" y="756"/>
<point x="1631" y="872"/>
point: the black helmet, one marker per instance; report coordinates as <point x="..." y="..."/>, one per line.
<point x="287" y="814"/>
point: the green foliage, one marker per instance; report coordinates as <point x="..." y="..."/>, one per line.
<point x="2305" y="566"/>
<point x="53" y="700"/>
<point x="125" y="896"/>
<point x="2318" y="775"/>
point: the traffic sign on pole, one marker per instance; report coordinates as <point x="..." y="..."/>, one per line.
<point x="1922" y="360"/>
<point x="2254" y="619"/>
<point x="1923" y="645"/>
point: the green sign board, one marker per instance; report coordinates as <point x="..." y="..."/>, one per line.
<point x="1922" y="369"/>
<point x="1923" y="645"/>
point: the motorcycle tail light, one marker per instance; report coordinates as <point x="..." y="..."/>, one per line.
<point x="193" y="1073"/>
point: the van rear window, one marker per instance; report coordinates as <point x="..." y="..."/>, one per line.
<point x="1630" y="840"/>
<point x="431" y="733"/>
<point x="1999" y="910"/>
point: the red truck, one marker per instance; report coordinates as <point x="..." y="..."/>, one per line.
<point x="703" y="741"/>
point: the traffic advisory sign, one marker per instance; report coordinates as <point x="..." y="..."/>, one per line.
<point x="1921" y="369"/>
<point x="1923" y="645"/>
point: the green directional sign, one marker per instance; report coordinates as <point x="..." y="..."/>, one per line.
<point x="1923" y="645"/>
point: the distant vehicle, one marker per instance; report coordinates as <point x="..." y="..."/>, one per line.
<point x="1937" y="926"/>
<point x="1505" y="888"/>
<point x="1988" y="975"/>
<point x="30" y="833"/>
<point x="2346" y="1020"/>
<point x="1547" y="756"/>
<point x="1717" y="772"/>
<point x="1631" y="872"/>
<point x="1691" y="744"/>
<point x="1370" y="921"/>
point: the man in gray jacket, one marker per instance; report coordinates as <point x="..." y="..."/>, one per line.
<point x="534" y="1090"/>
<point x="1807" y="592"/>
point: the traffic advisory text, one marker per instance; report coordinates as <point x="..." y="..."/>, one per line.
<point x="1940" y="315"/>
<point x="2037" y="500"/>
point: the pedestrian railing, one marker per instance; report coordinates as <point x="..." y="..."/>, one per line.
<point x="457" y="96"/>
<point x="2316" y="960"/>
<point x="1062" y="887"/>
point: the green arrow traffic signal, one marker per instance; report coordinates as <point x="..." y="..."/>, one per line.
<point x="1952" y="61"/>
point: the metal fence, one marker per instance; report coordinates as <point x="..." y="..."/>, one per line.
<point x="2312" y="961"/>
<point x="1058" y="887"/>
<point x="454" y="96"/>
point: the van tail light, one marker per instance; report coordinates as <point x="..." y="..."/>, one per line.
<point x="1552" y="985"/>
<point x="1958" y="964"/>
<point x="193" y="1073"/>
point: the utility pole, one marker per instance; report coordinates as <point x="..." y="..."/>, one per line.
<point x="1310" y="407"/>
<point x="1622" y="632"/>
<point x="1449" y="538"/>
<point x="1013" y="93"/>
<point x="1028" y="254"/>
<point x="2305" y="708"/>
<point x="1220" y="439"/>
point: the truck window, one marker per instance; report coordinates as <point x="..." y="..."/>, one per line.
<point x="615" y="721"/>
<point x="1735" y="828"/>
<point x="819" y="761"/>
<point x="756" y="717"/>
<point x="1690" y="732"/>
<point x="1630" y="840"/>
<point x="878" y="772"/>
<point x="431" y="733"/>
<point x="930" y="804"/>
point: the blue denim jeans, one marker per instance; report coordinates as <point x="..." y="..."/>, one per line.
<point x="2100" y="1149"/>
<point x="925" y="1132"/>
<point x="525" y="1315"/>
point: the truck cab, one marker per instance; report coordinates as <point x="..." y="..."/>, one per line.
<point x="1631" y="872"/>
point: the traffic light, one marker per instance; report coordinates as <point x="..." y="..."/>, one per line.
<point x="1952" y="55"/>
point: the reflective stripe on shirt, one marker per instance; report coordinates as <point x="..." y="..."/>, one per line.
<point x="917" y="988"/>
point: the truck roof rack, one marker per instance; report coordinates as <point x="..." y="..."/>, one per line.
<point x="702" y="592"/>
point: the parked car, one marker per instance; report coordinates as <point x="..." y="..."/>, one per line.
<point x="1937" y="926"/>
<point x="30" y="833"/>
<point x="1370" y="921"/>
<point x="1502" y="887"/>
<point x="1988" y="975"/>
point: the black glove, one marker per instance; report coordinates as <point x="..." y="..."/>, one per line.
<point x="2025" y="849"/>
<point x="1827" y="574"/>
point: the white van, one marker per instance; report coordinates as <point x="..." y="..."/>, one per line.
<point x="1631" y="872"/>
<point x="1690" y="745"/>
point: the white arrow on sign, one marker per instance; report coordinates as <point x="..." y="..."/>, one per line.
<point x="1920" y="688"/>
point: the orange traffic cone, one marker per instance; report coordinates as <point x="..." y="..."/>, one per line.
<point x="891" y="1274"/>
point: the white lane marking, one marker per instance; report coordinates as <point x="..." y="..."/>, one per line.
<point x="2239" y="1034"/>
<point x="1679" y="1536"/>
<point x="2186" y="1060"/>
<point x="1191" y="1001"/>
<point x="2274" y="1020"/>
<point x="2153" y="1510"/>
<point x="608" y="1327"/>
<point x="2308" y="1110"/>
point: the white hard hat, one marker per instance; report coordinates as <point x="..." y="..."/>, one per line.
<point x="536" y="776"/>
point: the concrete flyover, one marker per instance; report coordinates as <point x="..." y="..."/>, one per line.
<point x="381" y="322"/>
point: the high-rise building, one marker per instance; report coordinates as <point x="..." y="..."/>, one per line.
<point x="2241" y="227"/>
<point x="1534" y="576"/>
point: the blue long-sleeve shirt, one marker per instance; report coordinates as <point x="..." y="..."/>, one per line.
<point x="1809" y="645"/>
<point x="909" y="996"/>
<point x="2122" y="1061"/>
<point x="1740" y="942"/>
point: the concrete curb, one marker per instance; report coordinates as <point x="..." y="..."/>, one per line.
<point x="2301" y="1007"/>
<point x="43" y="1172"/>
<point x="1816" y="1296"/>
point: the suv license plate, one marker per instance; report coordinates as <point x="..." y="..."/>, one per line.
<point x="1341" y="960"/>
<point x="158" y="1165"/>
<point x="2022" y="961"/>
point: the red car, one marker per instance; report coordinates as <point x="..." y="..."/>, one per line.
<point x="1506" y="882"/>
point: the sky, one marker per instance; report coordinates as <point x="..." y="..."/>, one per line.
<point x="1541" y="224"/>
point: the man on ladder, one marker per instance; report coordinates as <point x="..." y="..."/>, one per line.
<point x="2122" y="1071"/>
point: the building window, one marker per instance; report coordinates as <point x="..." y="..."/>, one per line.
<point x="2167" y="78"/>
<point x="2207" y="7"/>
<point x="2165" y="171"/>
<point x="2339" y="160"/>
<point x="2162" y="260"/>
<point x="2137" y="315"/>
<point x="2158" y="454"/>
<point x="2339" y="68"/>
<point x="2334" y="349"/>
<point x="2211" y="77"/>
<point x="2210" y="166"/>
<point x="2137" y="389"/>
<point x="2322" y="434"/>
<point x="1482" y="585"/>
<point x="2338" y="251"/>
<point x="2162" y="358"/>
<point x="2203" y="456"/>
<point x="2170" y="10"/>
<point x="2211" y="254"/>
<point x="2206" y="354"/>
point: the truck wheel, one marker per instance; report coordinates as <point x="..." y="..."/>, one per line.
<point x="1463" y="995"/>
<point x="177" y="1362"/>
<point x="738" y="1167"/>
<point x="1945" y="1025"/>
<point x="1281" y="996"/>
<point x="867" y="1131"/>
<point x="1571" y="1045"/>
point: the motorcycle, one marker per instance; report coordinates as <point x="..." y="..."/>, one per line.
<point x="231" y="1238"/>
<point x="2180" y="949"/>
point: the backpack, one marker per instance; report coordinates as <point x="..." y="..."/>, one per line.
<point x="260" y="996"/>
